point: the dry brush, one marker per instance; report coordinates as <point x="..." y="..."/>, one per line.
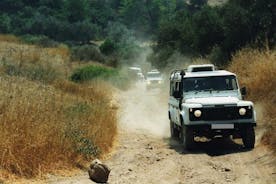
<point x="257" y="71"/>
<point x="48" y="123"/>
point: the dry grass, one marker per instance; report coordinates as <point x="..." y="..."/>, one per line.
<point x="22" y="53"/>
<point x="44" y="128"/>
<point x="9" y="38"/>
<point x="50" y="125"/>
<point x="257" y="71"/>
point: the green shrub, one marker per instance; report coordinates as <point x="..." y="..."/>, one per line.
<point x="108" y="47"/>
<point x="218" y="56"/>
<point x="80" y="143"/>
<point x="117" y="78"/>
<point x="160" y="58"/>
<point x="86" y="53"/>
<point x="92" y="72"/>
<point x="78" y="136"/>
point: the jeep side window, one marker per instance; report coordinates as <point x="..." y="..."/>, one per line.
<point x="171" y="88"/>
<point x="177" y="86"/>
<point x="177" y="90"/>
<point x="234" y="84"/>
<point x="174" y="86"/>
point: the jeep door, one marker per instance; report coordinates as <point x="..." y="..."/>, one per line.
<point x="174" y="101"/>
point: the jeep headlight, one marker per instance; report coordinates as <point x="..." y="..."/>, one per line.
<point x="197" y="113"/>
<point x="148" y="82"/>
<point x="159" y="82"/>
<point x="242" y="111"/>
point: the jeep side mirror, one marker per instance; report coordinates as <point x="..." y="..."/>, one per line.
<point x="243" y="91"/>
<point x="176" y="94"/>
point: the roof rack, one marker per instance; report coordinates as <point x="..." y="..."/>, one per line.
<point x="201" y="68"/>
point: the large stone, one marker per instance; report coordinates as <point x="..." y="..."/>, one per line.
<point x="98" y="172"/>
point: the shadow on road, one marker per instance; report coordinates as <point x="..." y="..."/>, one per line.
<point x="215" y="147"/>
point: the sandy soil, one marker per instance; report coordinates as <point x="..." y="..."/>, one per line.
<point x="146" y="154"/>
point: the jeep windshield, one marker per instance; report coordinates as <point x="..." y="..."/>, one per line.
<point x="154" y="75"/>
<point x="212" y="83"/>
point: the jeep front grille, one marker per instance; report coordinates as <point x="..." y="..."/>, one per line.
<point x="154" y="81"/>
<point x="220" y="113"/>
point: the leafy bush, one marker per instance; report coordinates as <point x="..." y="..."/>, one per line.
<point x="218" y="56"/>
<point x="108" y="47"/>
<point x="86" y="53"/>
<point x="220" y="30"/>
<point x="117" y="78"/>
<point x="160" y="58"/>
<point x="83" y="31"/>
<point x="80" y="142"/>
<point x="93" y="72"/>
<point x="5" y="23"/>
<point x="122" y="42"/>
<point x="207" y="30"/>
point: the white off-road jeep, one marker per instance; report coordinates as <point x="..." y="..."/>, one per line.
<point x="154" y="79"/>
<point x="205" y="102"/>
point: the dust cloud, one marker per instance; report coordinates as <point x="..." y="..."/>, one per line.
<point x="147" y="110"/>
<point x="144" y="110"/>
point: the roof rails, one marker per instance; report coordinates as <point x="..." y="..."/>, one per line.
<point x="178" y="74"/>
<point x="201" y="68"/>
<point x="154" y="70"/>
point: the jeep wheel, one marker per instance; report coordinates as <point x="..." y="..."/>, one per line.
<point x="248" y="137"/>
<point x="187" y="137"/>
<point x="174" y="131"/>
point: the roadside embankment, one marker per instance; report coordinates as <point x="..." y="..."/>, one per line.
<point x="49" y="123"/>
<point x="256" y="70"/>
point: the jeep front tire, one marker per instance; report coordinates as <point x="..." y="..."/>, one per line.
<point x="187" y="137"/>
<point x="174" y="130"/>
<point x="248" y="137"/>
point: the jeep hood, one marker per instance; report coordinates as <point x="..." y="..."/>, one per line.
<point x="154" y="78"/>
<point x="213" y="100"/>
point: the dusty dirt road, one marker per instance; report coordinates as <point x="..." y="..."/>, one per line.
<point x="145" y="153"/>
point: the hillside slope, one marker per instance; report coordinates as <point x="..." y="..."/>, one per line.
<point x="49" y="123"/>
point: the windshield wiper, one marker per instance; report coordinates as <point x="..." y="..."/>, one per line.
<point x="209" y="90"/>
<point x="197" y="91"/>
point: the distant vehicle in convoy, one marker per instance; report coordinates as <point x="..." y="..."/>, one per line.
<point x="140" y="77"/>
<point x="136" y="73"/>
<point x="154" y="79"/>
<point x="205" y="102"/>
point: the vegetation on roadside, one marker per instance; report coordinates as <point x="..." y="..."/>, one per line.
<point x="47" y="121"/>
<point x="45" y="128"/>
<point x="193" y="28"/>
<point x="257" y="70"/>
<point x="216" y="32"/>
<point x="56" y="99"/>
<point x="97" y="72"/>
<point x="93" y="72"/>
<point x="85" y="53"/>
